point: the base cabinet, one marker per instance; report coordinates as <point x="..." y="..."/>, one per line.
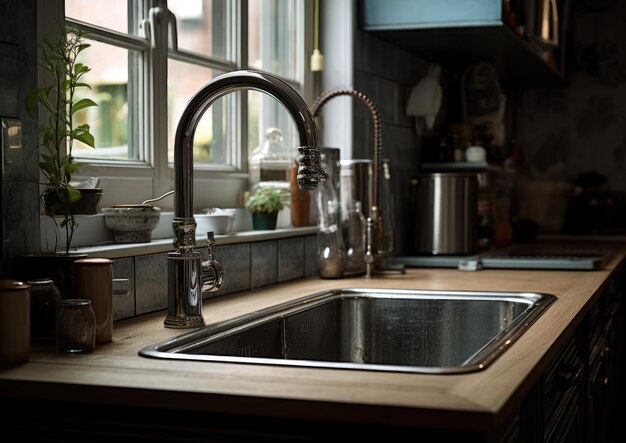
<point x="578" y="399"/>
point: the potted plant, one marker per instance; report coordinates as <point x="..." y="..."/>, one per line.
<point x="264" y="206"/>
<point x="58" y="131"/>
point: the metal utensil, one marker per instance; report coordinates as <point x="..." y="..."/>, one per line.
<point x="150" y="200"/>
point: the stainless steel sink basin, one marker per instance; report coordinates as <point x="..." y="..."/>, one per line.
<point x="381" y="330"/>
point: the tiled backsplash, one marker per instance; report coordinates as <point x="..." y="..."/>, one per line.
<point x="246" y="266"/>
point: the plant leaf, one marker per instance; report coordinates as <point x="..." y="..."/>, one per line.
<point x="72" y="194"/>
<point x="31" y="103"/>
<point x="82" y="104"/>
<point x="86" y="138"/>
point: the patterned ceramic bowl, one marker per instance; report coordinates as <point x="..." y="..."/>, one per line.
<point x="131" y="223"/>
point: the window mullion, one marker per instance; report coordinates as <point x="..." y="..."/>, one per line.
<point x="109" y="37"/>
<point x="200" y="60"/>
<point x="156" y="66"/>
<point x="240" y="39"/>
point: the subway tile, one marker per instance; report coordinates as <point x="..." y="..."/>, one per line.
<point x="124" y="305"/>
<point x="290" y="258"/>
<point x="264" y="263"/>
<point x="150" y="283"/>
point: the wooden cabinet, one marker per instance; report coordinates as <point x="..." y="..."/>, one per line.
<point x="456" y="33"/>
<point x="577" y="398"/>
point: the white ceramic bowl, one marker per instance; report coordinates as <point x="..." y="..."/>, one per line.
<point x="131" y="223"/>
<point x="220" y="223"/>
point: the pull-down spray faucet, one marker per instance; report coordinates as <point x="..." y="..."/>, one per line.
<point x="185" y="277"/>
<point x="374" y="243"/>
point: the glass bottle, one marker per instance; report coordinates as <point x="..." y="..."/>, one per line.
<point x="388" y="210"/>
<point x="331" y="252"/>
<point x="76" y="326"/>
<point x="354" y="238"/>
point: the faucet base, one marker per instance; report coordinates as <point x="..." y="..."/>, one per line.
<point x="184" y="290"/>
<point x="175" y="322"/>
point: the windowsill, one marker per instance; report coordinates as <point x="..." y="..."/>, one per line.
<point x="92" y="236"/>
<point x="117" y="250"/>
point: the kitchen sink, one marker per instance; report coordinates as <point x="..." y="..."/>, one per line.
<point x="436" y="332"/>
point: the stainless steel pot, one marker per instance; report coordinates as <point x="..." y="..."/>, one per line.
<point x="444" y="213"/>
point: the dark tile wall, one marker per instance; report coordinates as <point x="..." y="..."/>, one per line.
<point x="19" y="188"/>
<point x="246" y="266"/>
<point x="386" y="75"/>
<point x="581" y="126"/>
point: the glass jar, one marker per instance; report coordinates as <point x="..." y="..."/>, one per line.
<point x="76" y="326"/>
<point x="354" y="239"/>
<point x="44" y="299"/>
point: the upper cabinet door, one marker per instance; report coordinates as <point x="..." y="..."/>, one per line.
<point x="457" y="33"/>
<point x="420" y="14"/>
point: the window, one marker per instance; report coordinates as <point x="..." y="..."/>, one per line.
<point x="148" y="58"/>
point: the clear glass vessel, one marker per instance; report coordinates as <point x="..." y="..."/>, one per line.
<point x="354" y="239"/>
<point x="76" y="326"/>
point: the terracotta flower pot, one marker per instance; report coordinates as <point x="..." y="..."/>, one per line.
<point x="264" y="220"/>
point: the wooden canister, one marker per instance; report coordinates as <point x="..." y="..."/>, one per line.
<point x="300" y="201"/>
<point x="93" y="280"/>
<point x="14" y="321"/>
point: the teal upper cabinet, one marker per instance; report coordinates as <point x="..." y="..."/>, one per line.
<point x="420" y="14"/>
<point x="456" y="33"/>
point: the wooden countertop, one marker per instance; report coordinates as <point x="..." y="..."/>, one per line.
<point x="115" y="374"/>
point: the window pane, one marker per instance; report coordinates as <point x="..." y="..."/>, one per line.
<point x="264" y="112"/>
<point x="111" y="14"/>
<point x="202" y="26"/>
<point x="272" y="36"/>
<point x="110" y="121"/>
<point x="212" y="140"/>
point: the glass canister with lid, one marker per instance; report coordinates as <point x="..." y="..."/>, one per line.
<point x="44" y="300"/>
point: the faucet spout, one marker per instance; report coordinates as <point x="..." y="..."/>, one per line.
<point x="184" y="269"/>
<point x="204" y="98"/>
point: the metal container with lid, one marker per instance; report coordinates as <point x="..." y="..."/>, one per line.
<point x="93" y="280"/>
<point x="444" y="213"/>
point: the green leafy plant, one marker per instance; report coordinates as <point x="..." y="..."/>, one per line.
<point x="265" y="200"/>
<point x="57" y="130"/>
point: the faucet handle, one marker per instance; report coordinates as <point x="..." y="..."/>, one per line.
<point x="310" y="172"/>
<point x="212" y="270"/>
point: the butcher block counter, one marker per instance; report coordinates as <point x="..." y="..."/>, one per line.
<point x="115" y="392"/>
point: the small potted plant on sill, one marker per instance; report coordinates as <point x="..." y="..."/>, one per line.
<point x="264" y="205"/>
<point x="58" y="130"/>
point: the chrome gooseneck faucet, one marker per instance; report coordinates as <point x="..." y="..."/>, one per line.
<point x="185" y="275"/>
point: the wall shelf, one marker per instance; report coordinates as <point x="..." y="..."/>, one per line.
<point x="456" y="33"/>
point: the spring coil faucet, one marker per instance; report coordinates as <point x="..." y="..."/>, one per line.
<point x="374" y="248"/>
<point x="185" y="273"/>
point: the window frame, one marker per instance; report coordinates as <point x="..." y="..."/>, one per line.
<point x="130" y="181"/>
